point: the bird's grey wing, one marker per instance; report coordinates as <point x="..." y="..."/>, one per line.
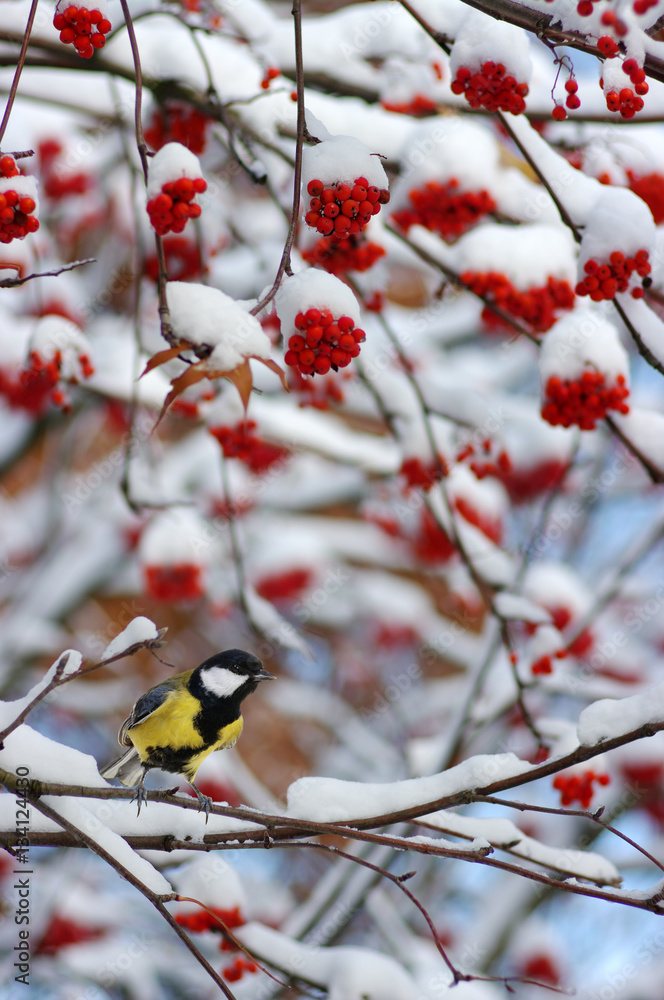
<point x="146" y="705"/>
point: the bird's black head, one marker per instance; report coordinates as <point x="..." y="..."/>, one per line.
<point x="230" y="675"/>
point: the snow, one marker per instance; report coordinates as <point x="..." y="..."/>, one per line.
<point x="527" y="255"/>
<point x="178" y="535"/>
<point x="501" y="832"/>
<point x="140" y="630"/>
<point x="314" y="289"/>
<point x="329" y="800"/>
<point x="480" y="38"/>
<point x="611" y="718"/>
<point x="25" y="187"/>
<point x="204" y="315"/>
<point x="67" y="663"/>
<point x="518" y="608"/>
<point x="619" y="220"/>
<point x="53" y="334"/>
<point x="170" y="163"/>
<point x="347" y="973"/>
<point x="211" y="880"/>
<point x="583" y="340"/>
<point x="645" y="429"/>
<point x="341" y="158"/>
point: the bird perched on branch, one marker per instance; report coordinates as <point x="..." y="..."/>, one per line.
<point x="181" y="721"/>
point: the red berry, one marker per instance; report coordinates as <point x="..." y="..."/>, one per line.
<point x="571" y="86"/>
<point x="559" y="113"/>
<point x="315" y="188"/>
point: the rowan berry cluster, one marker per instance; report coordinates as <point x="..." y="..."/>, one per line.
<point x="343" y="209"/>
<point x="643" y="6"/>
<point x="54" y="181"/>
<point x="241" y="442"/>
<point x="421" y="476"/>
<point x="611" y="20"/>
<point x="271" y="73"/>
<point x="491" y="88"/>
<point x="322" y="342"/>
<point x="583" y="401"/>
<point x="284" y="586"/>
<point x="578" y="787"/>
<point x="175" y="583"/>
<point x="624" y="101"/>
<point x="604" y="281"/>
<point x="539" y="307"/>
<point x="541" y="666"/>
<point x="525" y="483"/>
<point x="650" y="188"/>
<point x="202" y="920"/>
<point x="175" y="122"/>
<point x="36" y="384"/>
<point x="419" y="106"/>
<point x="445" y="210"/>
<point x="637" y="75"/>
<point x="320" y="395"/>
<point x="81" y="27"/>
<point x="355" y="253"/>
<point x="16" y="219"/>
<point x="62" y="931"/>
<point x="491" y="527"/>
<point x="183" y="260"/>
<point x="431" y="544"/>
<point x="170" y="211"/>
<point x="233" y="973"/>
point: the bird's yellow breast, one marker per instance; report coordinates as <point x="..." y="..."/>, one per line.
<point x="172" y="726"/>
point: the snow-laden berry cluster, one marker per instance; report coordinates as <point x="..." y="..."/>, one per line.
<point x="176" y="122"/>
<point x="445" y="208"/>
<point x="174" y="180"/>
<point x="320" y="322"/>
<point x="616" y="245"/>
<point x="345" y="186"/>
<point x="490" y="64"/>
<point x="584" y="371"/>
<point x="18" y="202"/>
<point x="173" y="562"/>
<point x="55" y="352"/>
<point x="84" y="28"/>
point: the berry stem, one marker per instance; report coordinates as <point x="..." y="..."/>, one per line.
<point x="285" y="263"/>
<point x="19" y="69"/>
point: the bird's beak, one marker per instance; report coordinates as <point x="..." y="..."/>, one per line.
<point x="264" y="675"/>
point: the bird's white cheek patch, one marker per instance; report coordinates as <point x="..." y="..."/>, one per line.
<point x="221" y="681"/>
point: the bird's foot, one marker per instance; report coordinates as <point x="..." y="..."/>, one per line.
<point x="140" y="797"/>
<point x="204" y="801"/>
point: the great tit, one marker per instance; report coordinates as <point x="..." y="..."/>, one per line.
<point x="181" y="721"/>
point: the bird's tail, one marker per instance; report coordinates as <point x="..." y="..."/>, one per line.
<point x="127" y="768"/>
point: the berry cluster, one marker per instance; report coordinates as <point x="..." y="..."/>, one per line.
<point x="648" y="777"/>
<point x="323" y="342"/>
<point x="343" y="209"/>
<point x="183" y="260"/>
<point x="443" y="209"/>
<point x="241" y="442"/>
<point x="172" y="584"/>
<point x="16" y="219"/>
<point x="234" y="972"/>
<point x="604" y="281"/>
<point x="637" y="75"/>
<point x="176" y="122"/>
<point x="431" y="544"/>
<point x="54" y="181"/>
<point x="583" y="401"/>
<point x="419" y="107"/>
<point x="491" y="88"/>
<point x="539" y="307"/>
<point x="525" y="483"/>
<point x="170" y="210"/>
<point x="491" y="527"/>
<point x="624" y="101"/>
<point x="650" y="188"/>
<point x="271" y="73"/>
<point x="643" y="6"/>
<point x="578" y="787"/>
<point x="35" y="384"/>
<point x="320" y="395"/>
<point x="202" y="920"/>
<point x="85" y="29"/>
<point x="421" y="476"/>
<point x="338" y="257"/>
<point x="62" y="932"/>
<point x="285" y="586"/>
<point x="541" y="666"/>
<point x="542" y="967"/>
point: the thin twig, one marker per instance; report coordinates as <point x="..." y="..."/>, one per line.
<point x="285" y="263"/>
<point x="19" y="69"/>
<point x="14" y="282"/>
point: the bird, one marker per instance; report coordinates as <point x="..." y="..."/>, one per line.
<point x="181" y="721"/>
